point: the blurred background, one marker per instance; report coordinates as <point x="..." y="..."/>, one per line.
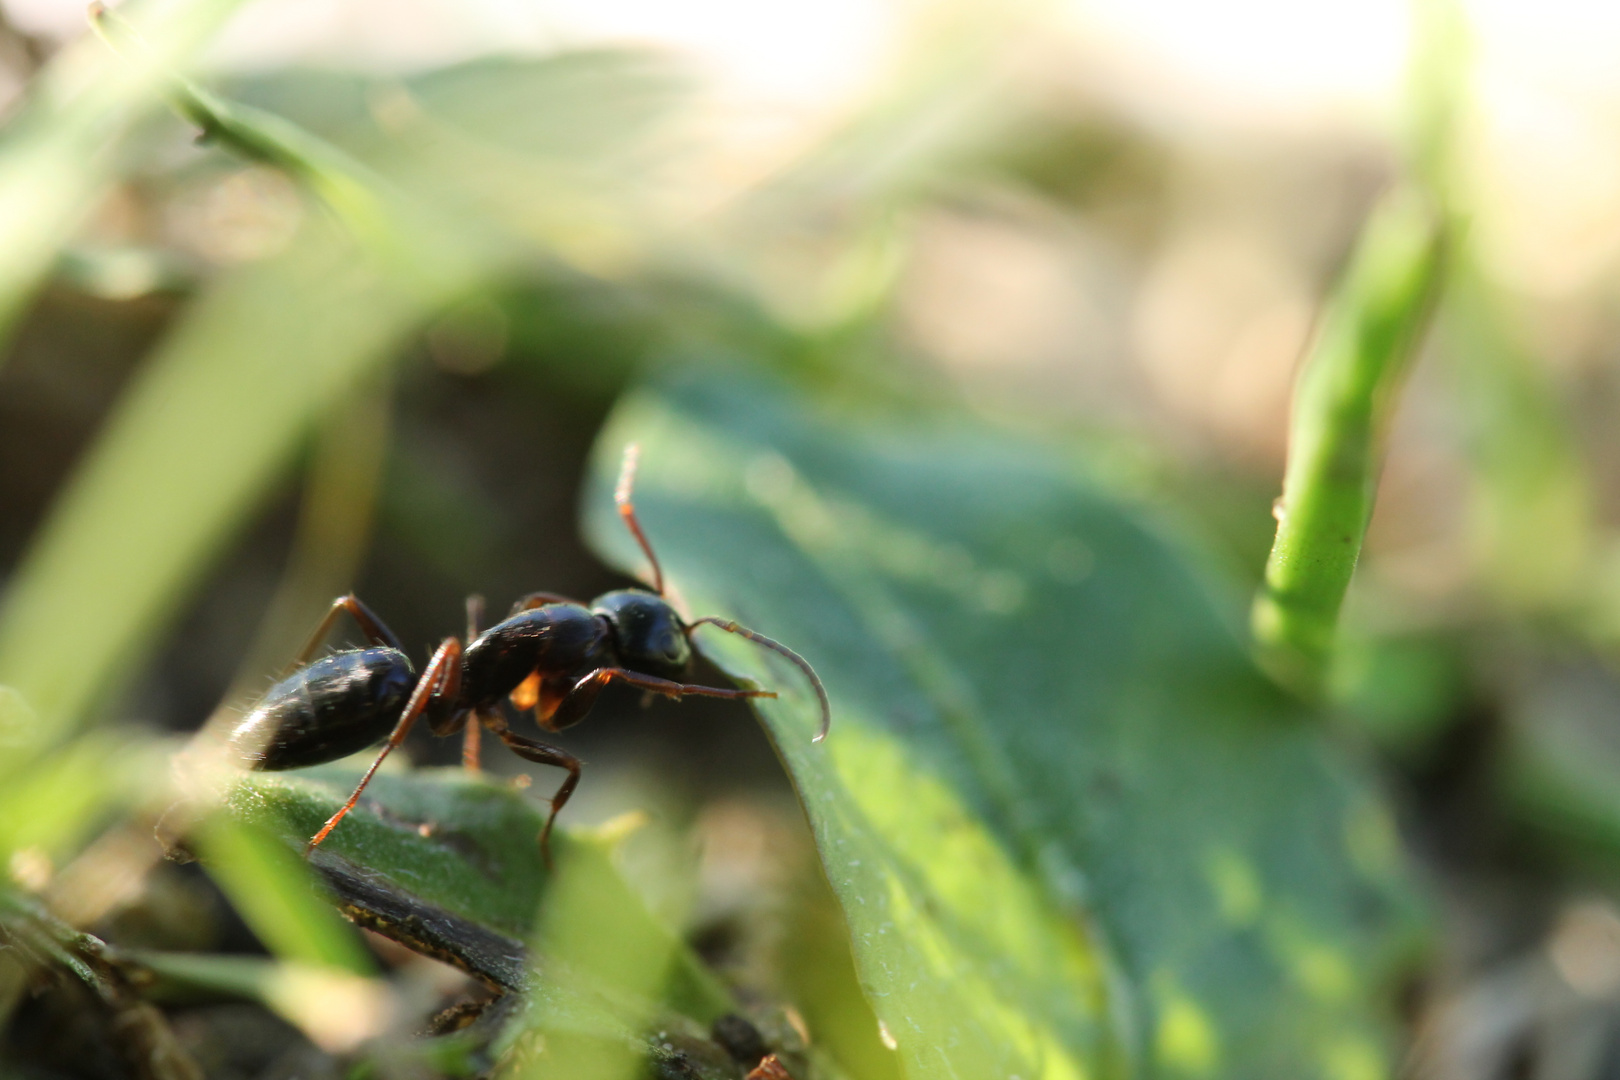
<point x="1106" y="222"/>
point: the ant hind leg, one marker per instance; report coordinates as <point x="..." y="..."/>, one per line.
<point x="530" y="601"/>
<point x="375" y="630"/>
<point x="443" y="675"/>
<point x="472" y="739"/>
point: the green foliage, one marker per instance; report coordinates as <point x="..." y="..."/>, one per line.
<point x="209" y="425"/>
<point x="448" y="864"/>
<point x="218" y="412"/>
<point x="466" y="846"/>
<point x="58" y="156"/>
<point x="272" y="889"/>
<point x="1073" y="829"/>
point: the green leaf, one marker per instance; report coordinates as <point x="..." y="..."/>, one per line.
<point x="51" y="801"/>
<point x="199" y="436"/>
<point x="58" y="155"/>
<point x="208" y="424"/>
<point x="447" y="862"/>
<point x="273" y="891"/>
<point x="19" y="727"/>
<point x="1073" y="829"/>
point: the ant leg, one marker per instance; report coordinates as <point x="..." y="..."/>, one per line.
<point x="541" y="754"/>
<point x="375" y="630"/>
<point x="441" y="679"/>
<point x="532" y="600"/>
<point x="573" y="706"/>
<point x="667" y="687"/>
<point x="627" y="511"/>
<point x="471" y="742"/>
<point x="579" y="700"/>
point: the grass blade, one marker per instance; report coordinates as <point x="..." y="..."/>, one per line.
<point x="275" y="893"/>
<point x="58" y="155"/>
<point x="196" y="440"/>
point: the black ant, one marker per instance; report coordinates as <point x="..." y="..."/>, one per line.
<point x="551" y="654"/>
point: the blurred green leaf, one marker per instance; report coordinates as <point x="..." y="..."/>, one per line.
<point x="466" y="848"/>
<point x="617" y="98"/>
<point x="249" y="977"/>
<point x="1561" y="753"/>
<point x="1072" y="827"/>
<point x="446" y="863"/>
<point x="1402" y="690"/>
<point x="272" y="889"/>
<point x="18" y="724"/>
<point x="51" y="803"/>
<point x="201" y="433"/>
<point x="1533" y="499"/>
<point x="57" y="155"/>
<point x="586" y="942"/>
<point x="1439" y="75"/>
<point x="1342" y="406"/>
<point x="551" y="149"/>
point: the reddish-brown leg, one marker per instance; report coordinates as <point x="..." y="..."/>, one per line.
<point x="443" y="673"/>
<point x="375" y="630"/>
<point x="541" y="754"/>
<point x="627" y="511"/>
<point x="578" y="701"/>
<point x="472" y="738"/>
<point x="529" y="601"/>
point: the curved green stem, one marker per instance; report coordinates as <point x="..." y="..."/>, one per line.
<point x="1342" y="406"/>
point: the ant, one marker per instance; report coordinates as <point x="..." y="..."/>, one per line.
<point x="550" y="654"/>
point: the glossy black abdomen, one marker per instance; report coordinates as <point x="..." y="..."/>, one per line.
<point x="335" y="707"/>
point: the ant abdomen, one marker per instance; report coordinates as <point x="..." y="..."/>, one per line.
<point x="337" y="706"/>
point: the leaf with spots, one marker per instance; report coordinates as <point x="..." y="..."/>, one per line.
<point x="1073" y="830"/>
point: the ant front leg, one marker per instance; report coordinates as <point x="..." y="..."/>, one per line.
<point x="441" y="680"/>
<point x="375" y="630"/>
<point x="573" y="707"/>
<point x="541" y="754"/>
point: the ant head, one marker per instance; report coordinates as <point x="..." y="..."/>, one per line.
<point x="649" y="636"/>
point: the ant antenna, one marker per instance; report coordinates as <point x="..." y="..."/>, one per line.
<point x="627" y="510"/>
<point x="760" y="639"/>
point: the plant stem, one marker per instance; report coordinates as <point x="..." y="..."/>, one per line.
<point x="1342" y="406"/>
<point x="346" y="185"/>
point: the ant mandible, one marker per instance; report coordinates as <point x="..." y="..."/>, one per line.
<point x="550" y="654"/>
